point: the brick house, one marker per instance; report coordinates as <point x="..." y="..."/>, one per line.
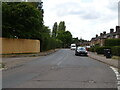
<point x="99" y="40"/>
<point x="85" y="43"/>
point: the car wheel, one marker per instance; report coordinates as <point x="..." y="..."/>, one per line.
<point x="76" y="54"/>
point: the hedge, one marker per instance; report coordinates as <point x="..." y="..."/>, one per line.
<point x="100" y="50"/>
<point x="112" y="42"/>
<point x="93" y="49"/>
<point x="50" y="43"/>
<point x="116" y="50"/>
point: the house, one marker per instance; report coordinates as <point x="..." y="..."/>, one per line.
<point x="99" y="40"/>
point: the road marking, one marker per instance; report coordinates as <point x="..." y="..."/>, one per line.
<point x="118" y="87"/>
<point x="59" y="63"/>
<point x="118" y="83"/>
<point x="117" y="75"/>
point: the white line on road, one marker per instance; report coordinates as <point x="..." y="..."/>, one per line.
<point x="118" y="83"/>
<point x="59" y="63"/>
<point x="117" y="75"/>
<point x="118" y="87"/>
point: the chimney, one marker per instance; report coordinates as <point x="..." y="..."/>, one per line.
<point x="111" y="30"/>
<point x="96" y="35"/>
<point x="101" y="34"/>
<point x="117" y="29"/>
<point x="104" y="32"/>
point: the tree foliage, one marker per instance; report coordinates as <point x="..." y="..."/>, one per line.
<point x="21" y="20"/>
<point x="63" y="35"/>
<point x="61" y="26"/>
<point x="25" y="20"/>
<point x="54" y="31"/>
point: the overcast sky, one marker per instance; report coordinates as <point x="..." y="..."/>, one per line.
<point x="83" y="18"/>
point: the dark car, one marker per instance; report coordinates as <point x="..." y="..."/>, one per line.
<point x="81" y="51"/>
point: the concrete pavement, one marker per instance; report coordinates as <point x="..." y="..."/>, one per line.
<point x="16" y="60"/>
<point x="102" y="58"/>
<point x="29" y="54"/>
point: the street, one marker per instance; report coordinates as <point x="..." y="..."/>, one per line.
<point x="61" y="69"/>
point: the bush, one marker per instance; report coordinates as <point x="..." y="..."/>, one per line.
<point x="100" y="50"/>
<point x="91" y="49"/>
<point x="49" y="43"/>
<point x="59" y="43"/>
<point x="116" y="50"/>
<point x="112" y="42"/>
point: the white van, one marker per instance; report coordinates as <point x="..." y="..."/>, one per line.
<point x="73" y="46"/>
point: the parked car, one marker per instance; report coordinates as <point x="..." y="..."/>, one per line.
<point x="87" y="47"/>
<point x="73" y="46"/>
<point x="81" y="51"/>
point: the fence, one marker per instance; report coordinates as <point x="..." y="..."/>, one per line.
<point x="9" y="46"/>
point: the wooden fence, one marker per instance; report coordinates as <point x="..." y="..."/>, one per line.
<point x="9" y="46"/>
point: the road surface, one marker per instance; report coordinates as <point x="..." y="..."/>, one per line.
<point x="61" y="69"/>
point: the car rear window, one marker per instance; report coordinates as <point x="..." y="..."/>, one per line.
<point x="81" y="48"/>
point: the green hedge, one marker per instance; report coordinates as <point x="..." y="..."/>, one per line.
<point x="50" y="43"/>
<point x="116" y="50"/>
<point x="100" y="50"/>
<point x="112" y="42"/>
<point x="91" y="49"/>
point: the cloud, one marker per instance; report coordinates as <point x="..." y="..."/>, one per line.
<point x="113" y="5"/>
<point x="70" y="8"/>
<point x="83" y="18"/>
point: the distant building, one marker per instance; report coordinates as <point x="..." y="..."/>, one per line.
<point x="99" y="40"/>
<point x="84" y="43"/>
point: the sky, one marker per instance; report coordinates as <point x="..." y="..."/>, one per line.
<point x="83" y="18"/>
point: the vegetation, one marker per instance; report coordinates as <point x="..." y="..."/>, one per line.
<point x="60" y="34"/>
<point x="2" y="65"/>
<point x="65" y="37"/>
<point x="62" y="26"/>
<point x="100" y="50"/>
<point x="25" y="20"/>
<point x="21" y="20"/>
<point x="116" y="50"/>
<point x="75" y="40"/>
<point x="112" y="42"/>
<point x="54" y="31"/>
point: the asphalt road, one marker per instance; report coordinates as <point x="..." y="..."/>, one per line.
<point x="61" y="69"/>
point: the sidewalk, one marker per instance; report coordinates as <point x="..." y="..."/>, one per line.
<point x="16" y="60"/>
<point x="102" y="58"/>
<point x="30" y="55"/>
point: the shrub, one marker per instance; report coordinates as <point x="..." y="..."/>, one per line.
<point x="112" y="42"/>
<point x="91" y="49"/>
<point x="49" y="43"/>
<point x="116" y="50"/>
<point x="100" y="50"/>
<point x="58" y="43"/>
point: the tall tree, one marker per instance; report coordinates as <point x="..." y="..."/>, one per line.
<point x="21" y="20"/>
<point x="54" y="30"/>
<point x="65" y="37"/>
<point x="61" y="26"/>
<point x="75" y="40"/>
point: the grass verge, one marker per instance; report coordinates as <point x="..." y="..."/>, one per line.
<point x="116" y="57"/>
